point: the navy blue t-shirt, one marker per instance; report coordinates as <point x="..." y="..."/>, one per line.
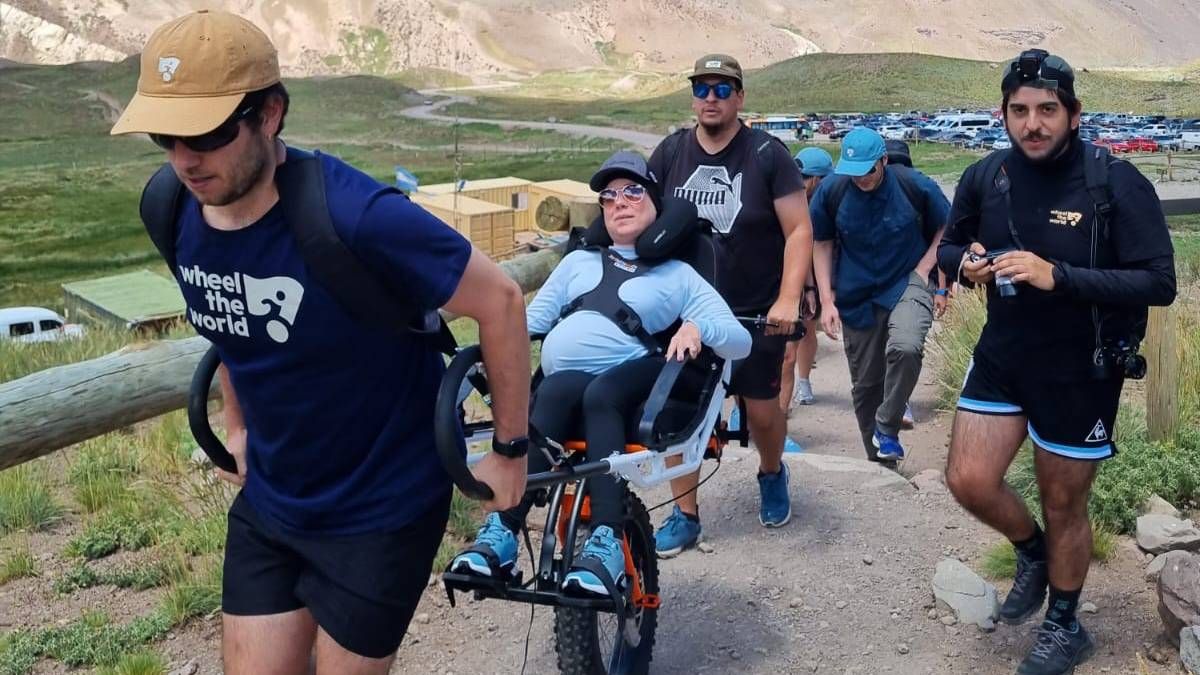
<point x="338" y="414"/>
<point x="880" y="241"/>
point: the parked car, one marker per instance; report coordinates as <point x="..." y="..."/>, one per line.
<point x="1172" y="142"/>
<point x="1142" y="144"/>
<point x="35" y="324"/>
<point x="1002" y="143"/>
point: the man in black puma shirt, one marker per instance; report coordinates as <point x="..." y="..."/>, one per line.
<point x="1091" y="256"/>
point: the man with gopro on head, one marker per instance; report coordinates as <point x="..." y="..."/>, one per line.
<point x="1074" y="247"/>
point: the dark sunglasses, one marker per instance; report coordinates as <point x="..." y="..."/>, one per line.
<point x="723" y="89"/>
<point x="633" y="194"/>
<point x="213" y="140"/>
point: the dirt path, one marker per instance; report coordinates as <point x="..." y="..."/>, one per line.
<point x="640" y="139"/>
<point x="804" y="598"/>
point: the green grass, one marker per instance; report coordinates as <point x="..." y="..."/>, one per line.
<point x="136" y="663"/>
<point x="26" y="502"/>
<point x="101" y="470"/>
<point x="140" y="577"/>
<point x="1000" y="559"/>
<point x="198" y="594"/>
<point x="18" y="563"/>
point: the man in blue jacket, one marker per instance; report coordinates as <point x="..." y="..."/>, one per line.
<point x="887" y="246"/>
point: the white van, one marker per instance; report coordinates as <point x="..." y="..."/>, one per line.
<point x="967" y="122"/>
<point x="35" y="324"/>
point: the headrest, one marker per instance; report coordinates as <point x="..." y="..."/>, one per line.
<point x="677" y="224"/>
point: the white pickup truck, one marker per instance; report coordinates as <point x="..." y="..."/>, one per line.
<point x="1191" y="139"/>
<point x="35" y="324"/>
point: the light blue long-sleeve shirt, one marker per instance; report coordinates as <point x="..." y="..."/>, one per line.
<point x="589" y="342"/>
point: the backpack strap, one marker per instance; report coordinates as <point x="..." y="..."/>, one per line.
<point x="605" y="298"/>
<point x="159" y="209"/>
<point x="301" y="186"/>
<point x="762" y="142"/>
<point x="917" y="198"/>
<point x="1095" y="176"/>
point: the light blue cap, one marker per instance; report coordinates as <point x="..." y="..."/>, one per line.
<point x="861" y="148"/>
<point x="814" y="162"/>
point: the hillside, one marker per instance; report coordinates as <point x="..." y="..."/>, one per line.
<point x="481" y="37"/>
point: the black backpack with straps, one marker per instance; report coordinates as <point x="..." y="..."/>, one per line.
<point x="301" y="186"/>
<point x="907" y="179"/>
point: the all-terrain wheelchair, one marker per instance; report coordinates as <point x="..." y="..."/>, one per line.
<point x="681" y="418"/>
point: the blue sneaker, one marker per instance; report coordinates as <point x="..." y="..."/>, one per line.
<point x="678" y="532"/>
<point x="792" y="446"/>
<point x="776" y="508"/>
<point x="494" y="551"/>
<point x="735" y="419"/>
<point x="887" y="447"/>
<point x="604" y="548"/>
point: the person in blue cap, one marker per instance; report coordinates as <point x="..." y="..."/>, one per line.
<point x="795" y="389"/>
<point x="886" y="221"/>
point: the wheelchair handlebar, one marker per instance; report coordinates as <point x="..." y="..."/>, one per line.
<point x="761" y="322"/>
<point x="197" y="411"/>
<point x="446" y="428"/>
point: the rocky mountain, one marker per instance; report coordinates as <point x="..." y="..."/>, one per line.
<point x="478" y="37"/>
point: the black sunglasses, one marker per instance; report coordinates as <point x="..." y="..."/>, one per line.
<point x="723" y="89"/>
<point x="216" y="139"/>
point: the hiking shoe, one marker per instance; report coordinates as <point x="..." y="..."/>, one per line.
<point x="494" y="552"/>
<point x="792" y="446"/>
<point x="802" y="394"/>
<point x="604" y="548"/>
<point x="1058" y="650"/>
<point x="776" y="508"/>
<point x="907" y="421"/>
<point x="887" y="447"/>
<point x="1028" y="590"/>
<point x="678" y="532"/>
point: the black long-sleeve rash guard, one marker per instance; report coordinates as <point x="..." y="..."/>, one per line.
<point x="1052" y="212"/>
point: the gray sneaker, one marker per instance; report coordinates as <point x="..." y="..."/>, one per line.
<point x="802" y="394"/>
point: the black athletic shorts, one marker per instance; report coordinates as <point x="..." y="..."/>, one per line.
<point x="756" y="377"/>
<point x="362" y="589"/>
<point x="1071" y="419"/>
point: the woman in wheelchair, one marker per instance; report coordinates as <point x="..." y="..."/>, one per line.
<point x="600" y="310"/>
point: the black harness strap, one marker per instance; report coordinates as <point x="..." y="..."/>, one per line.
<point x="606" y="301"/>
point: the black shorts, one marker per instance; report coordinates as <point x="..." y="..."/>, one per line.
<point x="1071" y="419"/>
<point x="362" y="589"/>
<point x="756" y="377"/>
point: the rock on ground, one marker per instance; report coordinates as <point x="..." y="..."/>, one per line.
<point x="973" y="599"/>
<point x="1159" y="534"/>
<point x="1156" y="505"/>
<point x="1179" y="595"/>
<point x="1189" y="649"/>
<point x="1156" y="566"/>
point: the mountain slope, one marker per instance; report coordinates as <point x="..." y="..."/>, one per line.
<point x="487" y="36"/>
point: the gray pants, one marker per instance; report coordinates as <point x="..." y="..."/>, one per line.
<point x="885" y="360"/>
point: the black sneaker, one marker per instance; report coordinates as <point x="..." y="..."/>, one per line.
<point x="1058" y="650"/>
<point x="1028" y="590"/>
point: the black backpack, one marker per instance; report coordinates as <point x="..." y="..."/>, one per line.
<point x="301" y="186"/>
<point x="906" y="177"/>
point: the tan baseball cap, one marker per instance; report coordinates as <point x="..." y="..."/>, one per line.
<point x="717" y="64"/>
<point x="195" y="70"/>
